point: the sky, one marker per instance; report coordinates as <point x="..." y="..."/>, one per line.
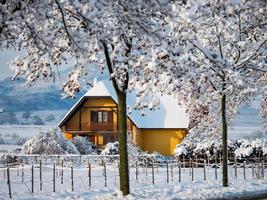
<point x="5" y="57"/>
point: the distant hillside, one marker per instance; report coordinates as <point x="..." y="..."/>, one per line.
<point x="14" y="97"/>
<point x="247" y="123"/>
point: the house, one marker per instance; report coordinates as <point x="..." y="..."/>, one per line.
<point x="95" y="116"/>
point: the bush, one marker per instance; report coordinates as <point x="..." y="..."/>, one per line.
<point x="50" y="118"/>
<point x="26" y="115"/>
<point x="112" y="148"/>
<point x="8" y="118"/>
<point x="15" y="136"/>
<point x="20" y="141"/>
<point x="52" y="142"/>
<point x="240" y="148"/>
<point x="37" y="120"/>
<point x="83" y="145"/>
<point x="2" y="140"/>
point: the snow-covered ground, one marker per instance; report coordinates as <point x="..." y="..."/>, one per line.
<point x="140" y="189"/>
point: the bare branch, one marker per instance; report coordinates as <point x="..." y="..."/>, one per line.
<point x="238" y="54"/>
<point x="239" y="25"/>
<point x="211" y="60"/>
<point x="253" y="56"/>
<point x="110" y="67"/>
<point x="37" y="35"/>
<point x="66" y="28"/>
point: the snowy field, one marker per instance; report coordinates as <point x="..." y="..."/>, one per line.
<point x="24" y="130"/>
<point x="11" y="134"/>
<point x="104" y="184"/>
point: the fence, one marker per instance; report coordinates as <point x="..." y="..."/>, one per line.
<point x="39" y="174"/>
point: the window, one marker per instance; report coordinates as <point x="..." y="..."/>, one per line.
<point x="105" y="116"/>
<point x="100" y="117"/>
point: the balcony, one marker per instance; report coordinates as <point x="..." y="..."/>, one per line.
<point x="104" y="126"/>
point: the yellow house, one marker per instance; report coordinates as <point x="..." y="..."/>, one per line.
<point x="95" y="116"/>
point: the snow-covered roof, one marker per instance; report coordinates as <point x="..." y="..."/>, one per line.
<point x="169" y="113"/>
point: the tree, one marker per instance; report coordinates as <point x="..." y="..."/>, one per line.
<point x="226" y="43"/>
<point x="8" y="118"/>
<point x="26" y="115"/>
<point x="214" y="58"/>
<point x="50" y="118"/>
<point x="36" y="120"/>
<point x="263" y="112"/>
<point x="111" y="35"/>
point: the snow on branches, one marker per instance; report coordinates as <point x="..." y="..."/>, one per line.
<point x="92" y="34"/>
<point x="212" y="49"/>
<point x="242" y="148"/>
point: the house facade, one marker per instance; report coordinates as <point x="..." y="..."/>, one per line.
<point x="95" y="116"/>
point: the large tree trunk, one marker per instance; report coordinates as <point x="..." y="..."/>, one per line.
<point x="224" y="142"/>
<point x="122" y="125"/>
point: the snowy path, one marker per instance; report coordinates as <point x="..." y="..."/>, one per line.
<point x="140" y="189"/>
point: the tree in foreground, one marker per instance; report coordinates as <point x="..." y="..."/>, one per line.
<point x="111" y="35"/>
<point x="214" y="61"/>
<point x="225" y="47"/>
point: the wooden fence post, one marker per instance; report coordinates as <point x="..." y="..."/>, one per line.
<point x="192" y="165"/>
<point x="8" y="182"/>
<point x="105" y="173"/>
<point x="36" y="159"/>
<point x="204" y="169"/>
<point x="153" y="181"/>
<point x="71" y="176"/>
<point x="146" y="167"/>
<point x="184" y="163"/>
<point x="18" y="169"/>
<point x="262" y="169"/>
<point x="89" y="175"/>
<point x="180" y="171"/>
<point x="167" y="172"/>
<point x="57" y="164"/>
<point x="252" y="170"/>
<point x="22" y="173"/>
<point x="136" y="170"/>
<point x="216" y="176"/>
<point x="32" y="178"/>
<point x="62" y="172"/>
<point x="235" y="167"/>
<point x="244" y="169"/>
<point x="5" y="166"/>
<point x="172" y="170"/>
<point x="54" y="177"/>
<point x="258" y="170"/>
<point x="40" y="175"/>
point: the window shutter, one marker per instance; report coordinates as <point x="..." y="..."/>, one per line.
<point x="110" y="116"/>
<point x="93" y="116"/>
